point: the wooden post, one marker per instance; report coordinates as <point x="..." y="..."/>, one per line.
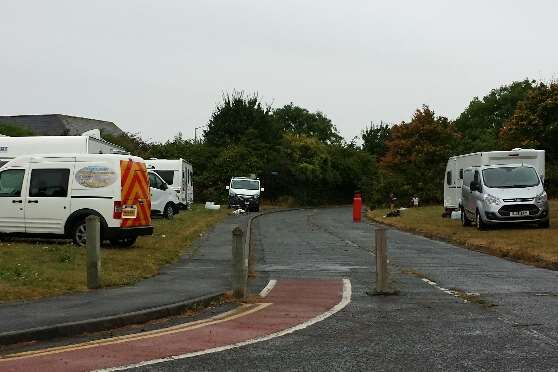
<point x="93" y="245"/>
<point x="239" y="265"/>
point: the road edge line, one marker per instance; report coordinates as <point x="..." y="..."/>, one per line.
<point x="345" y="300"/>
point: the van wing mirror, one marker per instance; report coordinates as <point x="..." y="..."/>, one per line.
<point x="227" y="187"/>
<point x="262" y="189"/>
<point x="474" y="186"/>
<point x="164" y="187"/>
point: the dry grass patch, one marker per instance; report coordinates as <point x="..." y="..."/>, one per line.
<point x="526" y="243"/>
<point x="46" y="268"/>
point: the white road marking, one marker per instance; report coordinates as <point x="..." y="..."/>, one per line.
<point x="445" y="290"/>
<point x="345" y="300"/>
<point x="268" y="288"/>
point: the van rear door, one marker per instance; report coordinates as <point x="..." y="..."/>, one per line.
<point x="136" y="200"/>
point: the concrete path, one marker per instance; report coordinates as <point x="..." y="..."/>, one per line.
<point x="205" y="273"/>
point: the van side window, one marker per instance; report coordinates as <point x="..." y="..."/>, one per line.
<point x="448" y="178"/>
<point x="461" y="174"/>
<point x="49" y="183"/>
<point x="154" y="181"/>
<point x="11" y="181"/>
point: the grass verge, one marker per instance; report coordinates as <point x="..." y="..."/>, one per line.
<point x="525" y="243"/>
<point x="46" y="268"/>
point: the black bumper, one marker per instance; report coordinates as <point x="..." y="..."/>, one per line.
<point x="128" y="232"/>
<point x="239" y="202"/>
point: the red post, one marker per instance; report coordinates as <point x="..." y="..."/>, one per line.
<point x="357" y="207"/>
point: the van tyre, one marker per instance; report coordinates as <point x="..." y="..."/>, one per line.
<point x="169" y="211"/>
<point x="545" y="224"/>
<point x="479" y="223"/>
<point x="465" y="221"/>
<point x="78" y="233"/>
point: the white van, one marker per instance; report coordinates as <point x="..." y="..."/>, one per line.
<point x="509" y="193"/>
<point x="51" y="195"/>
<point x="164" y="200"/>
<point x="178" y="174"/>
<point x="89" y="143"/>
<point x="453" y="180"/>
<point x="245" y="193"/>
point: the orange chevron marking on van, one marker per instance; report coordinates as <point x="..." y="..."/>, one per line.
<point x="135" y="188"/>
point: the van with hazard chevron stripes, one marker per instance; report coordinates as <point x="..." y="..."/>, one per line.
<point x="51" y="196"/>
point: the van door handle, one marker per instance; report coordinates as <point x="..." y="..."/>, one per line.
<point x="33" y="201"/>
<point x="17" y="201"/>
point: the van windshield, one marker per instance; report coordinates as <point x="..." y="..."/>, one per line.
<point x="510" y="177"/>
<point x="2" y="163"/>
<point x="167" y="175"/>
<point x="245" y="184"/>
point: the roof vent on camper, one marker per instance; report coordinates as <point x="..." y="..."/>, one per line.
<point x="95" y="133"/>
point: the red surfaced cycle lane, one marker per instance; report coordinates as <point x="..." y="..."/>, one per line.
<point x="291" y="305"/>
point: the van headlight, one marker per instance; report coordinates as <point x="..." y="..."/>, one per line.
<point x="490" y="199"/>
<point x="541" y="198"/>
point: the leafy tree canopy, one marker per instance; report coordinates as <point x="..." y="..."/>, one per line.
<point x="14" y="131"/>
<point x="299" y="121"/>
<point x="481" y="121"/>
<point x="374" y="139"/>
<point x="534" y="123"/>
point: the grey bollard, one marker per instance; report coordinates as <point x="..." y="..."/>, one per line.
<point x="383" y="285"/>
<point x="93" y="252"/>
<point x="239" y="265"/>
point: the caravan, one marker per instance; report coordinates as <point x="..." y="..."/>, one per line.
<point x="453" y="179"/>
<point x="89" y="143"/>
<point x="178" y="175"/>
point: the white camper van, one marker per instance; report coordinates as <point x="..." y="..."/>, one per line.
<point x="53" y="194"/>
<point x="164" y="200"/>
<point x="12" y="147"/>
<point x="178" y="174"/>
<point x="453" y="180"/>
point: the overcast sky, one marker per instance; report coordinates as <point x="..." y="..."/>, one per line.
<point x="159" y="67"/>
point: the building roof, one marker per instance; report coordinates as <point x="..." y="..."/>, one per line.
<point x="59" y="125"/>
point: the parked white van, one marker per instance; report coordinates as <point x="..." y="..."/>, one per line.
<point x="51" y="195"/>
<point x="89" y="143"/>
<point x="509" y="193"/>
<point x="453" y="180"/>
<point x="178" y="175"/>
<point x="164" y="200"/>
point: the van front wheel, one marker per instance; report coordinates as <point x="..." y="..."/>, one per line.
<point x="479" y="222"/>
<point x="465" y="221"/>
<point x="168" y="212"/>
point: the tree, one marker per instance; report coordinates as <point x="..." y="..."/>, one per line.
<point x="416" y="156"/>
<point x="299" y="121"/>
<point x="481" y="121"/>
<point x="241" y="118"/>
<point x="14" y="131"/>
<point x="534" y="123"/>
<point x="374" y="139"/>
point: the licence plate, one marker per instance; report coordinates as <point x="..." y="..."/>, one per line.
<point x="519" y="213"/>
<point x="129" y="211"/>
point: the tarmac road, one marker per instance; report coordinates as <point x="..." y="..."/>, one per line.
<point x="509" y="322"/>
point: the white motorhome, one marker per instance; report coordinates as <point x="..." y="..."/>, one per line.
<point x="89" y="143"/>
<point x="453" y="180"/>
<point x="178" y="174"/>
<point x="164" y="200"/>
<point x="53" y="195"/>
